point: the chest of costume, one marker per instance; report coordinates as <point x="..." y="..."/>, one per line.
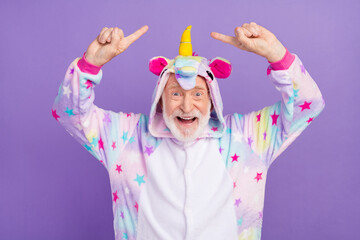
<point x="185" y="186"/>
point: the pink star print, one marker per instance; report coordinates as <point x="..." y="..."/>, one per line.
<point x="71" y="71"/>
<point x="237" y="202"/>
<point x="309" y="120"/>
<point x="250" y="141"/>
<point x="115" y="196"/>
<point x="136" y="206"/>
<point x="304" y="106"/>
<point x="113" y="145"/>
<point x="234" y="158"/>
<point x="214" y="129"/>
<point x="274" y="118"/>
<point x="258" y="117"/>
<point x="88" y="84"/>
<point x="118" y="168"/>
<point x="149" y="150"/>
<point x="258" y="177"/>
<point x="220" y="150"/>
<point x="234" y="185"/>
<point x="101" y="144"/>
<point x="128" y="114"/>
<point x="302" y="69"/>
<point x="107" y="118"/>
<point x="55" y="114"/>
<point x="264" y="135"/>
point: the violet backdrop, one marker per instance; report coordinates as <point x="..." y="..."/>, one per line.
<point x="52" y="188"/>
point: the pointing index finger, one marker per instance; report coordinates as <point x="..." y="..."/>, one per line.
<point x="224" y="38"/>
<point x="135" y="36"/>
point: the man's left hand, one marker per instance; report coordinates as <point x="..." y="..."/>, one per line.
<point x="254" y="38"/>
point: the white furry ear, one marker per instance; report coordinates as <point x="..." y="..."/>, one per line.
<point x="157" y="64"/>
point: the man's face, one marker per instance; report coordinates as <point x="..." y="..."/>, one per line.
<point x="186" y="112"/>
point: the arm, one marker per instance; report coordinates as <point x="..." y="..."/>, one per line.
<point x="269" y="131"/>
<point x="102" y="133"/>
<point x="272" y="129"/>
<point x="98" y="131"/>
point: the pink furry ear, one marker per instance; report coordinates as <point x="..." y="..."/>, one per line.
<point x="157" y="64"/>
<point x="220" y="67"/>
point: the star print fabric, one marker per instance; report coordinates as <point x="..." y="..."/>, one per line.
<point x="93" y="127"/>
<point x="272" y="129"/>
<point x="210" y="189"/>
<point x="104" y="134"/>
<point x="254" y="140"/>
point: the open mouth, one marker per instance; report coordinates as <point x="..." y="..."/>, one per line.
<point x="186" y="120"/>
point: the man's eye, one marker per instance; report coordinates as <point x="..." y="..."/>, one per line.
<point x="198" y="94"/>
<point x="176" y="94"/>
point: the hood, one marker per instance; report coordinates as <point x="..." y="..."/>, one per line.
<point x="186" y="67"/>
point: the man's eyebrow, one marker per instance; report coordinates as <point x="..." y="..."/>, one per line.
<point x="176" y="85"/>
<point x="173" y="85"/>
<point x="199" y="87"/>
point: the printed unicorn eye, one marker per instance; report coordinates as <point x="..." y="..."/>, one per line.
<point x="162" y="73"/>
<point x="210" y="75"/>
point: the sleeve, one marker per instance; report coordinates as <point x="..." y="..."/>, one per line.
<point x="103" y="133"/>
<point x="272" y="129"/>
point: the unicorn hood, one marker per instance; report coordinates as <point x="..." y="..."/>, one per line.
<point x="186" y="67"/>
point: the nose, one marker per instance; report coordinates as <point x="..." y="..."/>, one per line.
<point x="187" y="104"/>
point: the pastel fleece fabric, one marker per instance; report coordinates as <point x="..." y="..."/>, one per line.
<point x="136" y="150"/>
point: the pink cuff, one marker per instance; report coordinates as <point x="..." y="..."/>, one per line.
<point x="87" y="67"/>
<point x="284" y="63"/>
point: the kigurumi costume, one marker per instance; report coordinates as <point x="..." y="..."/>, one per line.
<point x="211" y="188"/>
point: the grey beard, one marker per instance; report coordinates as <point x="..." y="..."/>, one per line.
<point x="187" y="136"/>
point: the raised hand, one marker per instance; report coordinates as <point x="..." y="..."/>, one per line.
<point x="254" y="38"/>
<point x="110" y="43"/>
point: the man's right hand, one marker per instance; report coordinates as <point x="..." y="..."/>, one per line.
<point x="110" y="43"/>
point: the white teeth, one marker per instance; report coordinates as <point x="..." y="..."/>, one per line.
<point x="186" y="118"/>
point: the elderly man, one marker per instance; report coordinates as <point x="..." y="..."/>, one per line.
<point x="186" y="171"/>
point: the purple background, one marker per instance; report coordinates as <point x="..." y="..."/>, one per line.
<point x="52" y="188"/>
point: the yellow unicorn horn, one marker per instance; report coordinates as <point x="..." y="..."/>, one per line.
<point x="185" y="43"/>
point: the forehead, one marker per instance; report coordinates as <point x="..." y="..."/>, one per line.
<point x="172" y="82"/>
